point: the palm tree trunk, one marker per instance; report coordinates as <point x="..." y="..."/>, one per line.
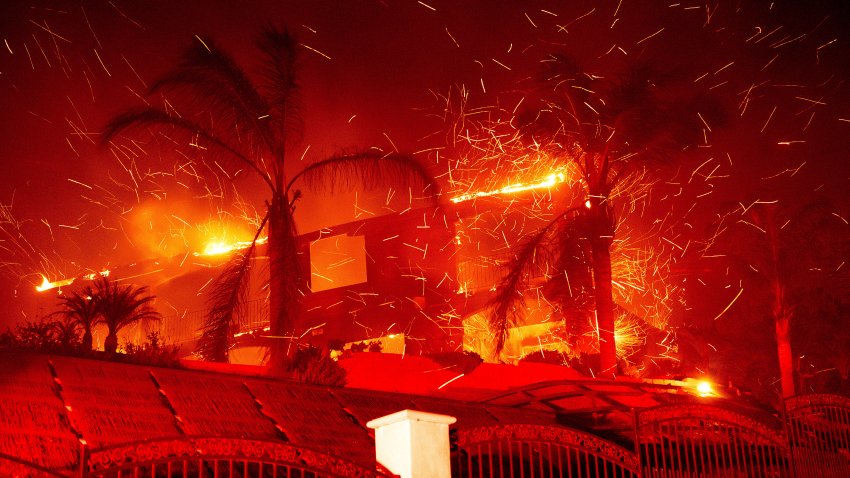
<point x="110" y="345"/>
<point x="779" y="309"/>
<point x="786" y="359"/>
<point x="87" y="340"/>
<point x="603" y="294"/>
<point x="284" y="281"/>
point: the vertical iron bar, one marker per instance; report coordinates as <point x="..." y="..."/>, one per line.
<point x="480" y="462"/>
<point x="490" y="458"/>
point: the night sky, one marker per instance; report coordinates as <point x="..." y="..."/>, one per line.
<point x="372" y="73"/>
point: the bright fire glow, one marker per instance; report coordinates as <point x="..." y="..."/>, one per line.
<point x="550" y="181"/>
<point x="47" y="285"/>
<point x="217" y="247"/>
<point x="704" y="389"/>
<point x="93" y="275"/>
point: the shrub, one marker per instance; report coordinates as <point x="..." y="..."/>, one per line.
<point x="463" y="362"/>
<point x="152" y="352"/>
<point x="312" y="365"/>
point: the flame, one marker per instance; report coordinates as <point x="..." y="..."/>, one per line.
<point x="704" y="389"/>
<point x="548" y="182"/>
<point x="93" y="275"/>
<point x="701" y="387"/>
<point x="217" y="247"/>
<point x="47" y="285"/>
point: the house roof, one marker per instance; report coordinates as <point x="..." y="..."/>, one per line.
<point x="53" y="405"/>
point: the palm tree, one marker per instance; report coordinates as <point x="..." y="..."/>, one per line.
<point x="80" y="308"/>
<point x="120" y="306"/>
<point x="610" y="129"/>
<point x="256" y="127"/>
<point x="786" y="256"/>
<point x="65" y="332"/>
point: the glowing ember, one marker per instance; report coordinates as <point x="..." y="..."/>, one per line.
<point x="550" y="181"/>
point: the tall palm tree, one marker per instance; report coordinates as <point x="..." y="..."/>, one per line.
<point x="256" y="126"/>
<point x="80" y="307"/>
<point x="120" y="306"/>
<point x="786" y="255"/>
<point x="610" y="129"/>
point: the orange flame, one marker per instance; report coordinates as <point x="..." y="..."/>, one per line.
<point x="47" y="285"/>
<point x="548" y="182"/>
<point x="217" y="247"/>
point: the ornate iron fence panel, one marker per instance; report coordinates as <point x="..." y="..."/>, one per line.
<point x="703" y="441"/>
<point x="212" y="457"/>
<point x="818" y="428"/>
<point x="539" y="451"/>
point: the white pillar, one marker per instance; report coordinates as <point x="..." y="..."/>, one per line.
<point x="413" y="444"/>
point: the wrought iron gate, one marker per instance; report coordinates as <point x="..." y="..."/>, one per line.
<point x="703" y="441"/>
<point x="218" y="458"/>
<point x="818" y="428"/>
<point x="539" y="451"/>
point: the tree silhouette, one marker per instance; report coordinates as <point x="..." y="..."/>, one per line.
<point x="611" y="129"/>
<point x="120" y="306"/>
<point x="79" y="307"/>
<point x="65" y="332"/>
<point x="255" y="126"/>
<point x="785" y="255"/>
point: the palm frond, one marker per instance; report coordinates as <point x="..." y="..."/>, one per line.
<point x="227" y="301"/>
<point x="281" y="88"/>
<point x="154" y="117"/>
<point x="367" y="169"/>
<point x="120" y="306"/>
<point x="506" y="304"/>
<point x="209" y="76"/>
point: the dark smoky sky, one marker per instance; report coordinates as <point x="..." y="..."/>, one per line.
<point x="371" y="72"/>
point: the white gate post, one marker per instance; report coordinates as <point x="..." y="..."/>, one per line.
<point x="413" y="444"/>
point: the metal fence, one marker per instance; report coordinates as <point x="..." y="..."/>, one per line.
<point x="810" y="440"/>
<point x="219" y="458"/>
<point x="185" y="328"/>
<point x="673" y="441"/>
<point x="539" y="451"/>
<point x="818" y="430"/>
<point x="706" y="441"/>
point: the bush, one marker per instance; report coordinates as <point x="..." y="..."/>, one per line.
<point x="312" y="365"/>
<point x="374" y="346"/>
<point x="153" y="352"/>
<point x="463" y="362"/>
<point x="44" y="336"/>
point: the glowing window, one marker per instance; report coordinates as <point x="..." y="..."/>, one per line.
<point x="337" y="261"/>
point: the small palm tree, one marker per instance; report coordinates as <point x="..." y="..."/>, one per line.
<point x="79" y="307"/>
<point x="120" y="306"/>
<point x="610" y="129"/>
<point x="65" y="332"/>
<point x="256" y="126"/>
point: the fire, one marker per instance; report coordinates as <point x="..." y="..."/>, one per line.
<point x="47" y="285"/>
<point x="217" y="247"/>
<point x="701" y="387"/>
<point x="704" y="389"/>
<point x="548" y="182"/>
